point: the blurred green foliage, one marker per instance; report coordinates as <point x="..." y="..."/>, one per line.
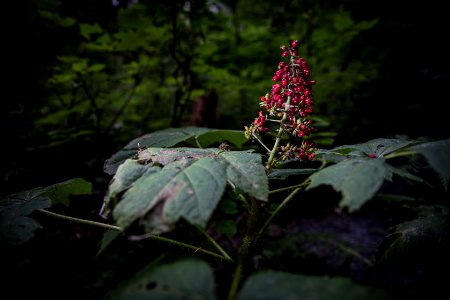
<point x="91" y="75"/>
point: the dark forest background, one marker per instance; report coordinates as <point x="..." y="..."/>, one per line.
<point x="85" y="77"/>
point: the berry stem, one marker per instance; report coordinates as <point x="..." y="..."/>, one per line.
<point x="279" y="135"/>
<point x="256" y="137"/>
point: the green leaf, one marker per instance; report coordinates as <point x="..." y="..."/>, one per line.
<point x="357" y="179"/>
<point x="110" y="166"/>
<point x="234" y="137"/>
<point x="285" y="173"/>
<point x="58" y="20"/>
<point x="15" y="225"/>
<point x="60" y="192"/>
<point x="186" y="279"/>
<point x="430" y="229"/>
<point x="405" y="174"/>
<point x="80" y="66"/>
<point x="172" y="136"/>
<point x="320" y="122"/>
<point x="189" y="189"/>
<point x="96" y="67"/>
<point x="164" y="185"/>
<point x="163" y="138"/>
<point x="246" y="172"/>
<point x="377" y="147"/>
<point x="127" y="174"/>
<point x="165" y="156"/>
<point x="87" y="29"/>
<point x="227" y="227"/>
<point x="281" y="285"/>
<point x="228" y="207"/>
<point x="108" y="237"/>
<point x="437" y="155"/>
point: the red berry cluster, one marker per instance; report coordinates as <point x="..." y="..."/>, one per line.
<point x="291" y="100"/>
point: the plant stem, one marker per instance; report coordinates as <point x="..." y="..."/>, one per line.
<point x="279" y="135"/>
<point x="150" y="236"/>
<point x="81" y="221"/>
<point x="184" y="245"/>
<point x="256" y="137"/>
<point x="244" y="251"/>
<point x="276" y="211"/>
<point x="288" y="188"/>
<point x="212" y="241"/>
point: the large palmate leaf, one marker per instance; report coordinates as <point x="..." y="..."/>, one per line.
<point x="357" y="179"/>
<point x="377" y="147"/>
<point x="16" y="227"/>
<point x="186" y="279"/>
<point x="437" y="155"/>
<point x="170" y="137"/>
<point x="270" y="285"/>
<point x="60" y="192"/>
<point x="163" y="185"/>
<point x="245" y="171"/>
<point x="430" y="229"/>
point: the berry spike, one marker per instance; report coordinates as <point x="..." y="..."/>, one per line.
<point x="288" y="103"/>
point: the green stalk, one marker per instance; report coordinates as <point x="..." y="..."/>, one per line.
<point x="150" y="236"/>
<point x="276" y="211"/>
<point x="279" y="135"/>
<point x="288" y="188"/>
<point x="80" y="221"/>
<point x="256" y="137"/>
<point x="244" y="251"/>
<point x="214" y="243"/>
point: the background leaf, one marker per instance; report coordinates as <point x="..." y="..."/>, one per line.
<point x="234" y="137"/>
<point x="60" y="192"/>
<point x="186" y="279"/>
<point x="430" y="229"/>
<point x="378" y="147"/>
<point x="437" y="155"/>
<point x="16" y="227"/>
<point x="281" y="285"/>
<point x="357" y="179"/>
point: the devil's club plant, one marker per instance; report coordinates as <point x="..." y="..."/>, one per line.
<point x="157" y="184"/>
<point x="288" y="105"/>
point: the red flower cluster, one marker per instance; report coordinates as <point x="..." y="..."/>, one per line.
<point x="290" y="99"/>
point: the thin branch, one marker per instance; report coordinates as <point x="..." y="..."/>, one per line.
<point x="81" y="221"/>
<point x="184" y="245"/>
<point x="256" y="137"/>
<point x="124" y="105"/>
<point x="150" y="236"/>
<point x="214" y="243"/>
<point x="97" y="111"/>
<point x="278" y="138"/>
<point x="288" y="188"/>
<point x="275" y="212"/>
